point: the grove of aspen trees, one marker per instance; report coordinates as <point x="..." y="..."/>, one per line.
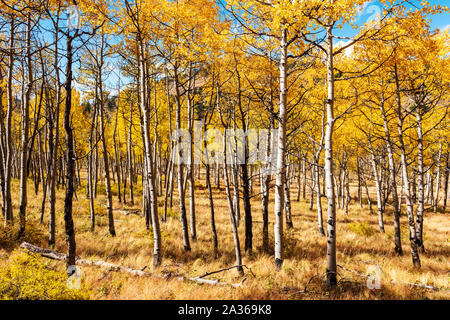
<point x="224" y="149"/>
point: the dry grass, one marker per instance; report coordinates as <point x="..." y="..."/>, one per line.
<point x="304" y="260"/>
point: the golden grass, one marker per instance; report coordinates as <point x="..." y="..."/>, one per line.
<point x="304" y="259"/>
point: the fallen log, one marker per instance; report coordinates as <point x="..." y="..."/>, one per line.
<point x="47" y="253"/>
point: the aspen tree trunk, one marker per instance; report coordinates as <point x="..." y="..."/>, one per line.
<point x="265" y="182"/>
<point x="431" y="194"/>
<point x="427" y="187"/>
<point x="130" y="157"/>
<point x="167" y="181"/>
<point x="7" y="203"/>
<point x="38" y="164"/>
<point x="2" y="147"/>
<point x="337" y="183"/>
<point x="438" y="179"/>
<point x="331" y="210"/>
<point x="392" y="171"/>
<point x="409" y="205"/>
<point x="318" y="195"/>
<point x="366" y="187"/>
<point x="109" y="205"/>
<point x="304" y="176"/>
<point x="53" y="172"/>
<point x="173" y="175"/>
<point x="234" y="164"/>
<point x="430" y="187"/>
<point x="311" y="187"/>
<point x="281" y="156"/>
<point x="358" y="169"/>
<point x="168" y="177"/>
<point x="181" y="190"/>
<point x="287" y="201"/>
<point x="235" y="181"/>
<point x="217" y="175"/>
<point x="25" y="124"/>
<point x="414" y="187"/>
<point x="145" y="169"/>
<point x="420" y="182"/>
<point x="75" y="177"/>
<point x="246" y="178"/>
<point x="347" y="188"/>
<point x="41" y="165"/>
<point x="190" y="166"/>
<point x="70" y="161"/>
<point x="299" y="181"/>
<point x="150" y="174"/>
<point x="90" y="171"/>
<point x="378" y="186"/>
<point x="159" y="169"/>
<point x="446" y="179"/>
<point x="342" y="183"/>
<point x="116" y="151"/>
<point x="210" y="196"/>
<point x="96" y="157"/>
<point x="145" y="195"/>
<point x="237" y="247"/>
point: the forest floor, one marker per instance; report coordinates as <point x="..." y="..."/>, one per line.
<point x="360" y="249"/>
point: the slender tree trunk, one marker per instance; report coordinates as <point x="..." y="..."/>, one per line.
<point x="265" y="182"/>
<point x="70" y="163"/>
<point x="318" y="195"/>
<point x="378" y="187"/>
<point x="109" y="205"/>
<point x="409" y="205"/>
<point x="331" y="210"/>
<point x="7" y="203"/>
<point x="190" y="166"/>
<point x="287" y="201"/>
<point x="281" y="155"/>
<point x="420" y="183"/>
<point x="234" y="228"/>
<point x="54" y="152"/>
<point x="210" y="195"/>
<point x="446" y="179"/>
<point x="180" y="176"/>
<point x="438" y="180"/>
<point x="392" y="171"/>
<point x="150" y="174"/>
<point x="25" y="124"/>
<point x="116" y="151"/>
<point x="90" y="171"/>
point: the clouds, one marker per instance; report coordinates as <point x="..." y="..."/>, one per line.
<point x="348" y="51"/>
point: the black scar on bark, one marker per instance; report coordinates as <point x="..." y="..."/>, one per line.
<point x="278" y="263"/>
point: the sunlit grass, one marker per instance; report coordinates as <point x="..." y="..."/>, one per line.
<point x="359" y="245"/>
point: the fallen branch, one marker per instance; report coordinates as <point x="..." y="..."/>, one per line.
<point x="47" y="253"/>
<point x="226" y="269"/>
